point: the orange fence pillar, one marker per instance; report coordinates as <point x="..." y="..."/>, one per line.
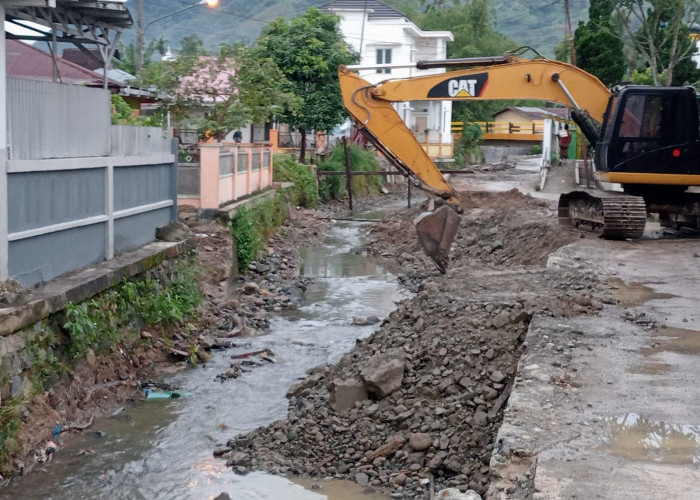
<point x="274" y="139"/>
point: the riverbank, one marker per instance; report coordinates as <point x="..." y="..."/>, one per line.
<point x="520" y="374"/>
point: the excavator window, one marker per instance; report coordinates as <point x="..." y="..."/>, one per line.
<point x="648" y="121"/>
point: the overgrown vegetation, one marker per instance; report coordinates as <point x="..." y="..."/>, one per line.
<point x="252" y="227"/>
<point x="46" y="363"/>
<point x="10" y="423"/>
<point x="332" y="187"/>
<point x="467" y="148"/>
<point x="304" y="193"/>
<point x="99" y="323"/>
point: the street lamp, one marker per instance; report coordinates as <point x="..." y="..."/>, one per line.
<point x="141" y="30"/>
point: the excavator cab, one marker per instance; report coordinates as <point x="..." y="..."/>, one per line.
<point x="649" y="136"/>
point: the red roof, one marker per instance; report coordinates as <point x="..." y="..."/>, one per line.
<point x="26" y="61"/>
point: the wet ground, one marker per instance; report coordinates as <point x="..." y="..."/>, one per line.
<point x="609" y="404"/>
<point x="604" y="406"/>
<point x="162" y="449"/>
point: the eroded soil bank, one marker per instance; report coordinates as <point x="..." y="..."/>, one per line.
<point x="416" y="406"/>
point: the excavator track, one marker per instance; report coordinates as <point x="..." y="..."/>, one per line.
<point x="613" y="216"/>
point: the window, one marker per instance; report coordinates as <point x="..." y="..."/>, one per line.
<point x="384" y="57"/>
<point x="642" y="116"/>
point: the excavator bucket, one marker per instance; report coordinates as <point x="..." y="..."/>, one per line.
<point x="436" y="231"/>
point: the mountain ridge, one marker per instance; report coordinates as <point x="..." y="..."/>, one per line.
<point x="529" y="23"/>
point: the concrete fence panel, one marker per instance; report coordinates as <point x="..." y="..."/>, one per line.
<point x="49" y="120"/>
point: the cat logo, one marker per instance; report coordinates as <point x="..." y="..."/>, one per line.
<point x="461" y="88"/>
<point x="456" y="88"/>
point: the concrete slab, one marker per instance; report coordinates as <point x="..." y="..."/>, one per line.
<point x="608" y="406"/>
<point x="84" y="283"/>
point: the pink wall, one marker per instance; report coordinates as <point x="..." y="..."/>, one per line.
<point x="217" y="188"/>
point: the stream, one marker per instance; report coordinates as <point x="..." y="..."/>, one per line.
<point x="162" y="449"/>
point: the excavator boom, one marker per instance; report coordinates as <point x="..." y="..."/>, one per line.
<point x="370" y="107"/>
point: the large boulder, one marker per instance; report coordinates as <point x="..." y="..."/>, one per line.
<point x="345" y="393"/>
<point x="383" y="373"/>
<point x="455" y="494"/>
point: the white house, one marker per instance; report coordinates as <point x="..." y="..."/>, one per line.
<point x="388" y="43"/>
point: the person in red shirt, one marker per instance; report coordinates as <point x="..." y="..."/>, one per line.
<point x="564" y="140"/>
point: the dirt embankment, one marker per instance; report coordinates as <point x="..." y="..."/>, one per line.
<point x="417" y="405"/>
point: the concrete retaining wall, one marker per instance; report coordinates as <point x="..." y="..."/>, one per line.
<point x="31" y="334"/>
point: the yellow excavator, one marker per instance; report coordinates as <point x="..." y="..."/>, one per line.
<point x="645" y="138"/>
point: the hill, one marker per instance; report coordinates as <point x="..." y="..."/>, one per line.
<point x="540" y="25"/>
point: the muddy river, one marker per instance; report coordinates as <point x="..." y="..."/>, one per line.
<point x="162" y="449"/>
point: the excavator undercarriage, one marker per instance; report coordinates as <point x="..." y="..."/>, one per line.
<point x="613" y="216"/>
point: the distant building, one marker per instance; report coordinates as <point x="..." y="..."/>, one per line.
<point x="388" y="42"/>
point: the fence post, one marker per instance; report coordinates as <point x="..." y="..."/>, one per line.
<point x="348" y="171"/>
<point x="173" y="178"/>
<point x="269" y="169"/>
<point x="209" y="175"/>
<point x="249" y="169"/>
<point x="261" y="167"/>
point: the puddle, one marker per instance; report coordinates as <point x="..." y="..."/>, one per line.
<point x="650" y="368"/>
<point x="678" y="340"/>
<point x="337" y="489"/>
<point x="637" y="438"/>
<point x="635" y="294"/>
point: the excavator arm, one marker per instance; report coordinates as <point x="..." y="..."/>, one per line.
<point x="497" y="78"/>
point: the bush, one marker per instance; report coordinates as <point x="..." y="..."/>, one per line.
<point x="536" y="149"/>
<point x="252" y="227"/>
<point x="95" y="324"/>
<point x="246" y="237"/>
<point x="332" y="187"/>
<point x="304" y="193"/>
<point x="468" y="145"/>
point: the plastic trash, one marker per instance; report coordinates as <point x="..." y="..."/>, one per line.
<point x="165" y="394"/>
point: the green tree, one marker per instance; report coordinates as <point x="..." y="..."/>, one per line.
<point x="192" y="46"/>
<point x="472" y="26"/>
<point x="127" y="54"/>
<point x="599" y="44"/>
<point x="309" y="50"/>
<point x="232" y="89"/>
<point x="658" y="31"/>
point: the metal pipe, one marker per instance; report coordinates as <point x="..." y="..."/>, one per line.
<point x="557" y="79"/>
<point x="464" y="62"/>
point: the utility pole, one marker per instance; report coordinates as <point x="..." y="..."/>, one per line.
<point x="139" y="39"/>
<point x="569" y="32"/>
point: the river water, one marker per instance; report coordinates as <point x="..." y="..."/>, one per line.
<point x="162" y="449"/>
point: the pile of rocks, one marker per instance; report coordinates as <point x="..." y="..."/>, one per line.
<point x="417" y="405"/>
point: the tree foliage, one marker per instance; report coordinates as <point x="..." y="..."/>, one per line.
<point x="229" y="90"/>
<point x="308" y="49"/>
<point x="658" y="31"/>
<point x="599" y="44"/>
<point x="127" y="54"/>
<point x="472" y="26"/>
